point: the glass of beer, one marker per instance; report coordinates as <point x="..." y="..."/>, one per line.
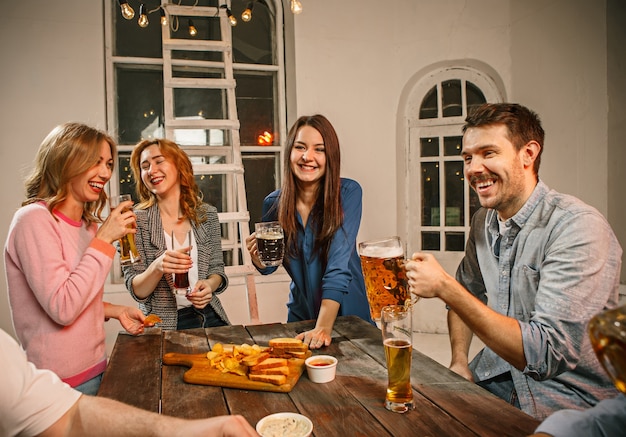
<point x="607" y="332"/>
<point x="128" y="250"/>
<point x="396" y="326"/>
<point x="384" y="273"/>
<point x="270" y="241"/>
<point x="181" y="242"/>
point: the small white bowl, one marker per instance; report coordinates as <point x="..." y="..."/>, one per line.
<point x="285" y="425"/>
<point x="321" y="368"/>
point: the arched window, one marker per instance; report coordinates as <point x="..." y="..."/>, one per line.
<point x="440" y="203"/>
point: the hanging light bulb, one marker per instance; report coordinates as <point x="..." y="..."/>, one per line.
<point x="231" y="18"/>
<point x="247" y="14"/>
<point x="143" y="17"/>
<point x="163" y="17"/>
<point x="296" y="6"/>
<point x="192" y="29"/>
<point x="127" y="11"/>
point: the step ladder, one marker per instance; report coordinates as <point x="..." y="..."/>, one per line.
<point x="225" y="160"/>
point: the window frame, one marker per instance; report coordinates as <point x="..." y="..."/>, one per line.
<point x="438" y="127"/>
<point x="278" y="69"/>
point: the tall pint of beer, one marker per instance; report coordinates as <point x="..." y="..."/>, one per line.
<point x="396" y="327"/>
<point x="128" y="250"/>
<point x="607" y="332"/>
<point x="384" y="273"/>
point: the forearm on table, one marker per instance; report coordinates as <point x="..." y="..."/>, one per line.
<point x="500" y="333"/>
<point x="328" y="314"/>
<point x="106" y="417"/>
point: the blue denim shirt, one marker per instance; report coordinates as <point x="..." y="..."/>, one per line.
<point x="342" y="279"/>
<point x="555" y="266"/>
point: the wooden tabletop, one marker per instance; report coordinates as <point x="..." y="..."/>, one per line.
<point x="351" y="405"/>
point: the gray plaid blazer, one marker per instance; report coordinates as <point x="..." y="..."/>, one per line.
<point x="150" y="242"/>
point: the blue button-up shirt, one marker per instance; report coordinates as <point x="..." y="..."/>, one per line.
<point x="555" y="265"/>
<point x="341" y="279"/>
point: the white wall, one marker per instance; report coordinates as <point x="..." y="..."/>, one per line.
<point x="52" y="72"/>
<point x="353" y="60"/>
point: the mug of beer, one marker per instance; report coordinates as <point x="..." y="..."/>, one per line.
<point x="270" y="241"/>
<point x="128" y="250"/>
<point x="397" y="329"/>
<point x="384" y="273"/>
<point x="607" y="331"/>
<point x="181" y="242"/>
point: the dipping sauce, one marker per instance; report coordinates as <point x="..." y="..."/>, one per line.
<point x="320" y="363"/>
<point x="284" y="426"/>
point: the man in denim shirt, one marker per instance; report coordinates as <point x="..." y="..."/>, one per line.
<point x="538" y="265"/>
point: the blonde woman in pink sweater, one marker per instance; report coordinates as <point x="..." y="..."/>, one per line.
<point x="57" y="258"/>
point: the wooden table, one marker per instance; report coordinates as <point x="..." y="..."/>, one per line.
<point x="351" y="405"/>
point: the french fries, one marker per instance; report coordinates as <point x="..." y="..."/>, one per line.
<point x="243" y="359"/>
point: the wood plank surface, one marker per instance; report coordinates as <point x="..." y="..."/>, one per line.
<point x="188" y="400"/>
<point x="351" y="405"/>
<point x="467" y="403"/>
<point x="133" y="373"/>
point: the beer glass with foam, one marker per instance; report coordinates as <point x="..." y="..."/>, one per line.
<point x="607" y="332"/>
<point x="396" y="325"/>
<point x="270" y="241"/>
<point x="181" y="241"/>
<point x="384" y="273"/>
<point x="128" y="250"/>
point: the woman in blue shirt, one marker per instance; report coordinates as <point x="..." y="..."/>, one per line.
<point x="320" y="214"/>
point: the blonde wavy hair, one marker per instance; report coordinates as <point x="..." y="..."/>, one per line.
<point x="69" y="150"/>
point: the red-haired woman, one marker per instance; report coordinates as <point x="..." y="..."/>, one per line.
<point x="169" y="200"/>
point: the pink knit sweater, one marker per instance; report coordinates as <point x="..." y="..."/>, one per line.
<point x="55" y="274"/>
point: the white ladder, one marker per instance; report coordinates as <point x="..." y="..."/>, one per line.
<point x="236" y="218"/>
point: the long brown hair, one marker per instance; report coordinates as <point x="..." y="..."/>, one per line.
<point x="190" y="195"/>
<point x="67" y="151"/>
<point x="327" y="214"/>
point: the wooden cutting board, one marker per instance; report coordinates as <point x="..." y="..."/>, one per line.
<point x="201" y="372"/>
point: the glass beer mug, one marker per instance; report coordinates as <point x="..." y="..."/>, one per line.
<point x="384" y="273"/>
<point x="607" y="332"/>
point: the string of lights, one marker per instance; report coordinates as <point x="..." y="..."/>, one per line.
<point x="143" y="21"/>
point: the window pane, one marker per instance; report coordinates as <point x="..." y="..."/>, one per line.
<point x="252" y="41"/>
<point x="455" y="211"/>
<point x="204" y="103"/>
<point x="212" y="189"/>
<point x="430" y="194"/>
<point x="127" y="181"/>
<point x="430" y="241"/>
<point x="452" y="106"/>
<point x="429" y="146"/>
<point x="452" y="146"/>
<point x="207" y="28"/>
<point x="429" y="104"/>
<point x="132" y="40"/>
<point x="455" y="241"/>
<point x="256" y="108"/>
<point x="474" y="96"/>
<point x="474" y="203"/>
<point x="139" y="104"/>
<point x="260" y="171"/>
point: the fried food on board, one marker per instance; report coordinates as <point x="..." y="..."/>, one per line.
<point x="257" y="362"/>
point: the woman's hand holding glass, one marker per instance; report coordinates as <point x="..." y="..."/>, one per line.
<point x="121" y="221"/>
<point x="251" y="244"/>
